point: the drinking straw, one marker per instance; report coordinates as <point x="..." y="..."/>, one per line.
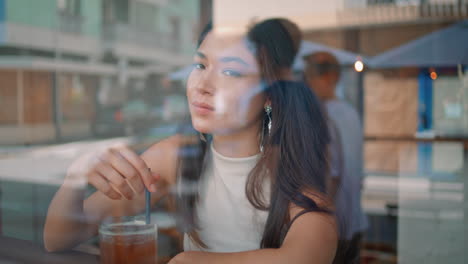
<point x="147" y="204"/>
<point x="147" y="207"/>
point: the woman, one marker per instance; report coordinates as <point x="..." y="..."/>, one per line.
<point x="258" y="167"/>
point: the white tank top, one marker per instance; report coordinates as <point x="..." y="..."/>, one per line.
<point x="226" y="219"/>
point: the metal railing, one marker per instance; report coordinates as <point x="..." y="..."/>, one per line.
<point x="444" y="8"/>
<point x="396" y="11"/>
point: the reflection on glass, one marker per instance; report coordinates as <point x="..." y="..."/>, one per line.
<point x="79" y="76"/>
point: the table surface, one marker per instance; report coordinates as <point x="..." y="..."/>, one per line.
<point x="13" y="250"/>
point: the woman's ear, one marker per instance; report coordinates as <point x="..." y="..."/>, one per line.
<point x="267" y="103"/>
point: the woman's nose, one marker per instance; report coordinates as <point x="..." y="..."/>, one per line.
<point x="205" y="84"/>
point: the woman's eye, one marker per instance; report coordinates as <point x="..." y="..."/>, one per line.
<point x="232" y="73"/>
<point x="199" y="66"/>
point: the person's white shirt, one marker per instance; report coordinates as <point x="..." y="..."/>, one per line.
<point x="227" y="221"/>
<point x="347" y="164"/>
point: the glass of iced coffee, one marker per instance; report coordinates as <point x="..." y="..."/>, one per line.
<point x="128" y="240"/>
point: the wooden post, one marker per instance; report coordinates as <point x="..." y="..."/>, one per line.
<point x="20" y="97"/>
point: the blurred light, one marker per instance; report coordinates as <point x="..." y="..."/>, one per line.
<point x="359" y="66"/>
<point x="228" y="30"/>
<point x="118" y="116"/>
<point x="433" y="75"/>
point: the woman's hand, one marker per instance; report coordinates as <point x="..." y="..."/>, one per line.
<point x="116" y="172"/>
<point x="181" y="258"/>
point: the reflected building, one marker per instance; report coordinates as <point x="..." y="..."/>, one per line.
<point x="69" y="67"/>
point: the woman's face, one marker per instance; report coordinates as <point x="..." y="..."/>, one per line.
<point x="224" y="89"/>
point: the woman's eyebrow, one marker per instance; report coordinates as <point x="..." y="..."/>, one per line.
<point x="234" y="59"/>
<point x="225" y="59"/>
<point x="200" y="54"/>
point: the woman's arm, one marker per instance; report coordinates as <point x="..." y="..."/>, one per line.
<point x="72" y="219"/>
<point x="312" y="238"/>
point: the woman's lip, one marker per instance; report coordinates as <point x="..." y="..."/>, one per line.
<point x="202" y="108"/>
<point x="203" y="105"/>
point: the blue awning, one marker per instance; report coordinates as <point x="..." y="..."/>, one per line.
<point x="2" y="20"/>
<point x="446" y="47"/>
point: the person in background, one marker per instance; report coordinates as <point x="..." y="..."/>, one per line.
<point x="322" y="73"/>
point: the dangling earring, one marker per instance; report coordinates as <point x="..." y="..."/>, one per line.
<point x="202" y="137"/>
<point x="268" y="112"/>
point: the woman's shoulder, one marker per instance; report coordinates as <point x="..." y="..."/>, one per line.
<point x="323" y="215"/>
<point x="314" y="230"/>
<point x="322" y="202"/>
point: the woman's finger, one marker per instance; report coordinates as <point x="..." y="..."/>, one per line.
<point x="103" y="186"/>
<point x="127" y="170"/>
<point x="115" y="179"/>
<point x="140" y="165"/>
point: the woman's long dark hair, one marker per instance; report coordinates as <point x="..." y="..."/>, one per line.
<point x="294" y="158"/>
